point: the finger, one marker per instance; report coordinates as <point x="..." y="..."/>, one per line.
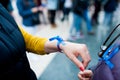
<point x="85" y="58"/>
<point x="84" y="53"/>
<point x="80" y="77"/>
<point x="78" y="63"/>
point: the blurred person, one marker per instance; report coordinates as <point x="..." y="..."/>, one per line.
<point x="52" y="8"/>
<point x="15" y="41"/>
<point x="109" y="6"/>
<point x="105" y="18"/>
<point x="60" y="7"/>
<point x="43" y="4"/>
<point x="66" y="9"/>
<point x="29" y="10"/>
<point x="80" y="10"/>
<point x="8" y="5"/>
<point x="97" y="4"/>
<point x="44" y="12"/>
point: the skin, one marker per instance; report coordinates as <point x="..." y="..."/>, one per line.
<point x="72" y="51"/>
<point x="85" y="75"/>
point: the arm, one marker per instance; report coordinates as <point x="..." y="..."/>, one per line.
<point x="71" y="50"/>
<point x="33" y="43"/>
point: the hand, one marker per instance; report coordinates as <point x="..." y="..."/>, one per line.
<point x="73" y="50"/>
<point x="40" y="8"/>
<point x="35" y="9"/>
<point x="85" y="75"/>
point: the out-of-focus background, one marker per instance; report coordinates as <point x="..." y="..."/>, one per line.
<point x="79" y="21"/>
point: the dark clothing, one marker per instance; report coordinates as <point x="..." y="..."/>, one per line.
<point x="51" y="16"/>
<point x="79" y="6"/>
<point x="7" y="4"/>
<point x="14" y="64"/>
<point x="61" y="4"/>
<point x="66" y="12"/>
<point x="97" y="4"/>
<point x="24" y="8"/>
<point x="110" y="5"/>
<point x="38" y="2"/>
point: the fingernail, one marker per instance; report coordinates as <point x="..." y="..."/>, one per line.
<point x="81" y="68"/>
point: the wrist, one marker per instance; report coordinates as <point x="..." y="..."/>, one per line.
<point x="60" y="42"/>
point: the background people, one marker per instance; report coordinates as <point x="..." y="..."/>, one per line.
<point x="80" y="11"/>
<point x="52" y="8"/>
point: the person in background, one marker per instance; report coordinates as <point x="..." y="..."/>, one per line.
<point x="80" y="11"/>
<point x="29" y="10"/>
<point x="43" y="12"/>
<point x="97" y="4"/>
<point x="109" y="7"/>
<point x="52" y="8"/>
<point x="66" y="9"/>
<point x="60" y="7"/>
<point x="15" y="41"/>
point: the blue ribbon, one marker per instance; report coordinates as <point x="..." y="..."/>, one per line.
<point x="60" y="41"/>
<point x="106" y="57"/>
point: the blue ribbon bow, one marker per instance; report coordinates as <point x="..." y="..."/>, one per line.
<point x="106" y="57"/>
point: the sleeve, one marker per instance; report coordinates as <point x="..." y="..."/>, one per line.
<point x="33" y="43"/>
<point x="21" y="9"/>
<point x="10" y="7"/>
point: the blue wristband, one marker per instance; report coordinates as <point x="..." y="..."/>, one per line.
<point x="60" y="41"/>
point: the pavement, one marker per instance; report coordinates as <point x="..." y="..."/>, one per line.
<point x="56" y="66"/>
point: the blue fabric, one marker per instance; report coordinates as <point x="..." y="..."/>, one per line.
<point x="88" y="20"/>
<point x="106" y="57"/>
<point x="107" y="18"/>
<point x="77" y="21"/>
<point x="110" y="6"/>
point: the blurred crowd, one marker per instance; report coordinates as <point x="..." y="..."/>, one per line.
<point x="92" y="12"/>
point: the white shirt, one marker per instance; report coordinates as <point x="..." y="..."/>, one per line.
<point x="68" y="4"/>
<point x="52" y="4"/>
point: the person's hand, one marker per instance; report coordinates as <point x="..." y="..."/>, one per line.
<point x="40" y="8"/>
<point x="73" y="50"/>
<point x="35" y="9"/>
<point x="85" y="75"/>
